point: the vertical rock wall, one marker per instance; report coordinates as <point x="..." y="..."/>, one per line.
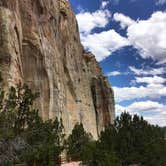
<point x="40" y="45"/>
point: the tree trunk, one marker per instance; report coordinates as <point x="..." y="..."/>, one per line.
<point x="34" y="163"/>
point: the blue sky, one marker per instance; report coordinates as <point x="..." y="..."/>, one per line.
<point x="128" y="38"/>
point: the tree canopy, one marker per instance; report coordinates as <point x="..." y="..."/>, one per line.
<point x="24" y="136"/>
<point x="133" y="140"/>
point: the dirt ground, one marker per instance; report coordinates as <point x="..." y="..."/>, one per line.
<point x="71" y="164"/>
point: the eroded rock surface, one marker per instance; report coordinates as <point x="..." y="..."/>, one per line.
<point x="40" y="45"/>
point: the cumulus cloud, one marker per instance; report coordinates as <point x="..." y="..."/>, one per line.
<point x="104" y="4"/>
<point x="104" y="43"/>
<point x="151" y="80"/>
<point x="88" y="21"/>
<point x="148" y="36"/>
<point x="142" y="107"/>
<point x="101" y="44"/>
<point x="119" y="109"/>
<point x="154" y="112"/>
<point x="152" y="91"/>
<point x="124" y="20"/>
<point x="149" y="106"/>
<point x="151" y="71"/>
<point x="157" y="119"/>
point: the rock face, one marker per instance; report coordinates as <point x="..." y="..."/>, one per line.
<point x="40" y="45"/>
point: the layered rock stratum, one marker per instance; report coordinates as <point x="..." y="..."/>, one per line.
<point x="40" y="45"/>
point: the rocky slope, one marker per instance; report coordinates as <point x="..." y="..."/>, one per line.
<point x="40" y="45"/>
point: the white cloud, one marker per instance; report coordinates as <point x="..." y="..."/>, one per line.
<point x="150" y="106"/>
<point x="100" y="44"/>
<point x="157" y="119"/>
<point x="119" y="109"/>
<point x="152" y="91"/>
<point x="114" y="73"/>
<point x="104" y="4"/>
<point x="160" y="2"/>
<point x="153" y="112"/>
<point x="124" y="20"/>
<point x="104" y="43"/>
<point x="151" y="80"/>
<point x="142" y="107"/>
<point x="149" y="37"/>
<point x="88" y="21"/>
<point x="151" y="71"/>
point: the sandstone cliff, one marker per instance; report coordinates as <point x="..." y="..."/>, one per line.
<point x="40" y="45"/>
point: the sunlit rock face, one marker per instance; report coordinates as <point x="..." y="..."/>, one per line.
<point x="40" y="45"/>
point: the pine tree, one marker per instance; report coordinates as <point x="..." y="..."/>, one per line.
<point x="79" y="144"/>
